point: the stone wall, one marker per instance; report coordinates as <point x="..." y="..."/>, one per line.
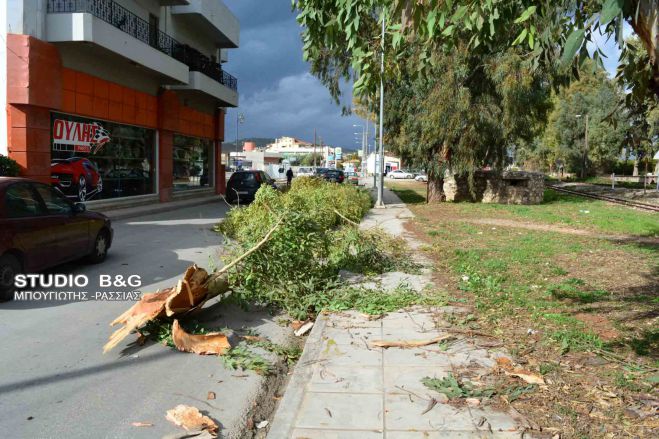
<point x="511" y="187"/>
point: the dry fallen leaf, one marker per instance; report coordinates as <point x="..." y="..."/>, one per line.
<point x="191" y="419"/>
<point x="213" y="343"/>
<point x="507" y="366"/>
<point x="141" y="424"/>
<point x="211" y="395"/>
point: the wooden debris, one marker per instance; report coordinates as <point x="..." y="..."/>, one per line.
<point x="303" y="329"/>
<point x="210" y="396"/>
<point x="297" y="324"/>
<point x="407" y="344"/>
<point x="141" y="424"/>
<point x="190" y="291"/>
<point x="190" y="294"/>
<point x="150" y="307"/>
<point x="214" y="343"/>
<point x="191" y="419"/>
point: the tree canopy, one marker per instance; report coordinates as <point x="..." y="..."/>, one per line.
<point x="342" y="37"/>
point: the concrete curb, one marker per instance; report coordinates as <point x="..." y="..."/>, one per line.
<point x="149" y="209"/>
<point x="286" y="412"/>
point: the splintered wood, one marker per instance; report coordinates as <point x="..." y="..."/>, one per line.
<point x="191" y="419"/>
<point x="191" y="293"/>
<point x="214" y="343"/>
<point x="187" y="294"/>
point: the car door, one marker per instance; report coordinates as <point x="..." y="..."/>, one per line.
<point x="32" y="235"/>
<point x="72" y="230"/>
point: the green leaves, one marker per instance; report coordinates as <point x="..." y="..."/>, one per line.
<point x="610" y="10"/>
<point x="572" y="45"/>
<point x="526" y="15"/>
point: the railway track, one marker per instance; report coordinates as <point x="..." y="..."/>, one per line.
<point x="629" y="203"/>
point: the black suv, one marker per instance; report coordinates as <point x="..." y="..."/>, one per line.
<point x="242" y="186"/>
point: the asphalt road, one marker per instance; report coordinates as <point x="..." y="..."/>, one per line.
<point x="55" y="381"/>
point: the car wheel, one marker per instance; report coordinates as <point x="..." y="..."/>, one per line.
<point x="82" y="189"/>
<point x="10" y="266"/>
<point x="101" y="245"/>
<point x="99" y="185"/>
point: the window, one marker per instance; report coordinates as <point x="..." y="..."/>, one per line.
<point x="94" y="160"/>
<point x="192" y="163"/>
<point x="21" y="202"/>
<point x="56" y="204"/>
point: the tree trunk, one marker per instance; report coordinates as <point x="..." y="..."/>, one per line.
<point x="646" y="25"/>
<point x="435" y="190"/>
<point x="635" y="173"/>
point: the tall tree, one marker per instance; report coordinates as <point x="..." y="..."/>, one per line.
<point x="595" y="97"/>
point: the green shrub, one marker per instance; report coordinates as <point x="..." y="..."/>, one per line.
<point x="312" y="244"/>
<point x="8" y="167"/>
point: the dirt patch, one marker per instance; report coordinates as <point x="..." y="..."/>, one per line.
<point x="601" y="325"/>
<point x="561" y="229"/>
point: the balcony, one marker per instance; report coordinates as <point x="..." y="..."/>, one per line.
<point x="97" y="21"/>
<point x="212" y="18"/>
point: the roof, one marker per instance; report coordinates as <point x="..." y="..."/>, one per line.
<point x="4" y="181"/>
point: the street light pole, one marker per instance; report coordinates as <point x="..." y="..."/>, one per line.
<point x="240" y="118"/>
<point x="314" y="149"/>
<point x="380" y="202"/>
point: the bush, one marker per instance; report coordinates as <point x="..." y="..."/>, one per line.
<point x="8" y="167"/>
<point x="302" y="259"/>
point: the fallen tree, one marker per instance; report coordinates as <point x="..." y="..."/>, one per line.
<point x="285" y="249"/>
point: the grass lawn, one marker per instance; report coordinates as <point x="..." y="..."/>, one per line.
<point x="549" y="281"/>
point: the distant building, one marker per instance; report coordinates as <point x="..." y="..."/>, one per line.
<point x="391" y="163"/>
<point x="293" y="148"/>
<point x="269" y="162"/>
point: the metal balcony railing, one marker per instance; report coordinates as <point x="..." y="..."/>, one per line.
<point x="126" y="21"/>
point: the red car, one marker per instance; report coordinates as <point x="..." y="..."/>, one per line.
<point x="76" y="177"/>
<point x="41" y="228"/>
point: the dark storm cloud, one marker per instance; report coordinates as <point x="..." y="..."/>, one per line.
<point x="277" y="94"/>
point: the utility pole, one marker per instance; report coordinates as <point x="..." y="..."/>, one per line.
<point x="380" y="201"/>
<point x="240" y="118"/>
<point x="314" y="149"/>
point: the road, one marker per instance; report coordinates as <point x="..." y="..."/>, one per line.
<point x="55" y="381"/>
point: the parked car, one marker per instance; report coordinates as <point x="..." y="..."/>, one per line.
<point x="400" y="174"/>
<point x="305" y="171"/>
<point x="421" y="177"/>
<point x="352" y="178"/>
<point x="76" y="177"/>
<point x="334" y="175"/>
<point x="320" y="172"/>
<point x="243" y="185"/>
<point x="41" y="228"/>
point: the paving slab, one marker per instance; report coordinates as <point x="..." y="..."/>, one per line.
<point x="343" y="387"/>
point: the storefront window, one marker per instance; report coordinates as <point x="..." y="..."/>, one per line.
<point x="95" y="160"/>
<point x="192" y="163"/>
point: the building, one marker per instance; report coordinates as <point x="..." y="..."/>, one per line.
<point x="292" y="148"/>
<point x="390" y="163"/>
<point x="117" y="100"/>
<point x="257" y="160"/>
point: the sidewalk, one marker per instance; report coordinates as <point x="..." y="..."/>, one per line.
<point x="345" y="388"/>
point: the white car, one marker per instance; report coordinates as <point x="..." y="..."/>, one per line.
<point x="421" y="177"/>
<point x="400" y="174"/>
<point x="305" y="172"/>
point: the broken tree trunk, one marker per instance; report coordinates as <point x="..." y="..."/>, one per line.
<point x="191" y="293"/>
<point x="214" y="343"/>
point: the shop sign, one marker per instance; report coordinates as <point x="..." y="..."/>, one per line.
<point x="85" y="137"/>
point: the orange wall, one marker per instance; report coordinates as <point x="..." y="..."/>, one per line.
<point x="37" y="84"/>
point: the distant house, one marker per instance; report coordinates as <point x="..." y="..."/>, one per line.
<point x="293" y="148"/>
<point x="391" y="163"/>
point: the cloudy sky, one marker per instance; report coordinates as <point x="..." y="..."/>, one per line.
<point x="278" y="96"/>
